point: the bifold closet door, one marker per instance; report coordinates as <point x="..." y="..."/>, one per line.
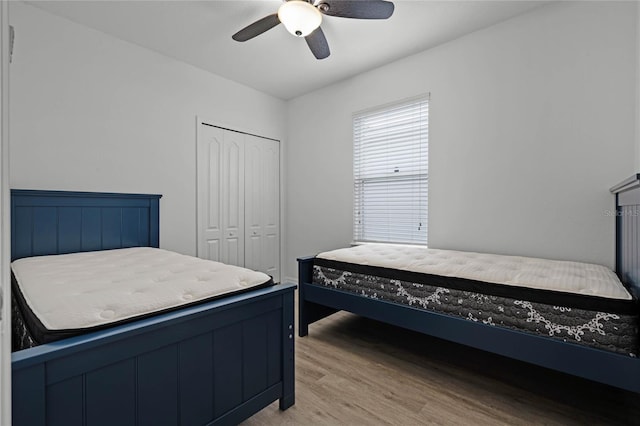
<point x="209" y="201"/>
<point x="220" y="163"/>
<point x="262" y="205"/>
<point x="238" y="206"/>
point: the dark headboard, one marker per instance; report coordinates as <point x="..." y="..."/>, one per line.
<point x="628" y="233"/>
<point x="57" y="222"/>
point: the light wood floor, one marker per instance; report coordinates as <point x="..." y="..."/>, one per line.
<point x="355" y="371"/>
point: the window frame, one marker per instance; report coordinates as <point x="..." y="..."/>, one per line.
<point x="420" y="177"/>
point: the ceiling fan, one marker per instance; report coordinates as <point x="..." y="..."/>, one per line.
<point x="302" y="18"/>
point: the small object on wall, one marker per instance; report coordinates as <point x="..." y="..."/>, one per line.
<point x="12" y="37"/>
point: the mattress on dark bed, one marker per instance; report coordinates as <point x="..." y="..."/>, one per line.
<point x="60" y="296"/>
<point x="571" y="301"/>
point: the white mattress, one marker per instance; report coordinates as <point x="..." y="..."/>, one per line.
<point x="563" y="276"/>
<point x="81" y="290"/>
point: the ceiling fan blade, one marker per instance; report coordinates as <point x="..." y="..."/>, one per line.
<point x="360" y="9"/>
<point x="317" y="42"/>
<point x="257" y="28"/>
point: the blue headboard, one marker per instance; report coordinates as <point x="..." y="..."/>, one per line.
<point x="628" y="233"/>
<point x="58" y="222"/>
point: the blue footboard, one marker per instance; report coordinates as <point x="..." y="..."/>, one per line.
<point x="216" y="363"/>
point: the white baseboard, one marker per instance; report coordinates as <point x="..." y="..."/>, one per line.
<point x="293" y="280"/>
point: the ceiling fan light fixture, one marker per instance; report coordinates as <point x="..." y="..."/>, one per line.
<point x="299" y="17"/>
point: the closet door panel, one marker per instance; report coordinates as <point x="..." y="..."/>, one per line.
<point x="232" y="254"/>
<point x="271" y="209"/>
<point x="254" y="167"/>
<point x="233" y="198"/>
<point x="209" y="166"/>
<point x="262" y="209"/>
<point x="271" y="253"/>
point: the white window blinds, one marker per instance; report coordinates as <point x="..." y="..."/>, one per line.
<point x="390" y="168"/>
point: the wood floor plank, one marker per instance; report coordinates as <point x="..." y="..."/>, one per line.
<point x="355" y="371"/>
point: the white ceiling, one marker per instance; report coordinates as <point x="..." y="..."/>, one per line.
<point x="199" y="33"/>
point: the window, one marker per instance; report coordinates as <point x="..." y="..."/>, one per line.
<point x="390" y="170"/>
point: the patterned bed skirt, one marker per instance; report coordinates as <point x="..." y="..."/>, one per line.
<point x="608" y="331"/>
<point x="20" y="336"/>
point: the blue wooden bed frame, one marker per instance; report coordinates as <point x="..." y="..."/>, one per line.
<point x="317" y="302"/>
<point x="213" y="363"/>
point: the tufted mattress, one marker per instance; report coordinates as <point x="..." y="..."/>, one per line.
<point x="64" y="295"/>
<point x="577" y="302"/>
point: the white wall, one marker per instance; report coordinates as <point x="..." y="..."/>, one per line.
<point x="531" y="121"/>
<point x="91" y="112"/>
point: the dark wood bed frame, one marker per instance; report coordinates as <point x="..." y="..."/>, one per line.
<point x="317" y="302"/>
<point x="213" y="363"/>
